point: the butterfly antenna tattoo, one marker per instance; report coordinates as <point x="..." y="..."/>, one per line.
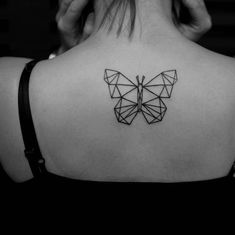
<point x="140" y="97"/>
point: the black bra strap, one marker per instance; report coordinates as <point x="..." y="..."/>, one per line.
<point x="32" y="150"/>
<point x="232" y="172"/>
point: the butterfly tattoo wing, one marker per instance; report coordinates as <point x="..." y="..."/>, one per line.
<point x="146" y="97"/>
<point x="122" y="88"/>
<point x="154" y="91"/>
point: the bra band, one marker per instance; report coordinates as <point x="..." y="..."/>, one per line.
<point x="32" y="150"/>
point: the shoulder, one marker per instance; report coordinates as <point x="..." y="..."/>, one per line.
<point x="11" y="143"/>
<point x="222" y="70"/>
<point x="218" y="79"/>
<point x="41" y="86"/>
<point x="10" y="65"/>
<point x="216" y="69"/>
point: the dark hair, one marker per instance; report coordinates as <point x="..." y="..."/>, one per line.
<point x="117" y="9"/>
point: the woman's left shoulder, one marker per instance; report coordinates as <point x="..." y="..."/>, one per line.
<point x="10" y="64"/>
<point x="11" y="69"/>
<point x="11" y="143"/>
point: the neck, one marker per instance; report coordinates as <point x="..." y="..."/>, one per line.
<point x="153" y="21"/>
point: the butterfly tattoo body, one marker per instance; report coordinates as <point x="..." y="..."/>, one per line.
<point x="144" y="96"/>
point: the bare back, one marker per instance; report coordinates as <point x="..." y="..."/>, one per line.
<point x="80" y="135"/>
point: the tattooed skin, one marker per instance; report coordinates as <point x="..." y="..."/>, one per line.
<point x="143" y="96"/>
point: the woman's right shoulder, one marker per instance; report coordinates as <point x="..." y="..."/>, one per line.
<point x="212" y="66"/>
<point x="222" y="68"/>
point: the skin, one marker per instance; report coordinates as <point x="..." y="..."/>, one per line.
<point x="72" y="111"/>
<point x="67" y="17"/>
<point x="70" y="11"/>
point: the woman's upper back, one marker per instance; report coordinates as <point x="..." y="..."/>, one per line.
<point x="78" y="129"/>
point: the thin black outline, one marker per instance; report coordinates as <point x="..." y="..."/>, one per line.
<point x="154" y="109"/>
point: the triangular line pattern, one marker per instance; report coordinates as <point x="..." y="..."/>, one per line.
<point x="131" y="95"/>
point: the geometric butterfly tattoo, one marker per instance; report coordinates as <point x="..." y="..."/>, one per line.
<point x="144" y="97"/>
